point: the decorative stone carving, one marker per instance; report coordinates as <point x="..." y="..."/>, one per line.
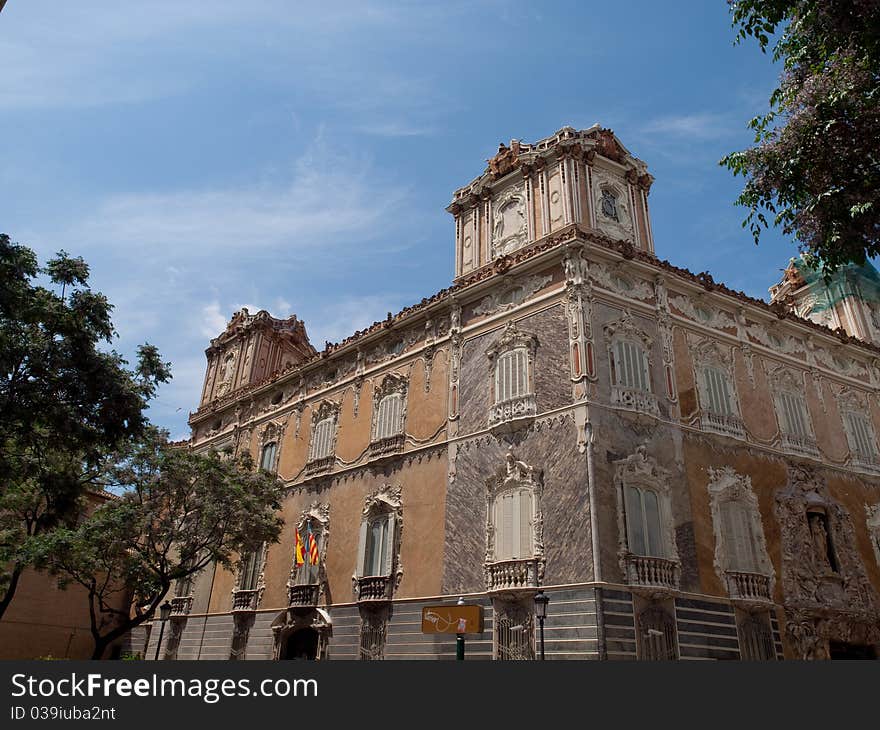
<point x="826" y="593"/>
<point x="385" y="499"/>
<point x="703" y="310"/>
<point x="656" y="573"/>
<point x="754" y="586"/>
<point x="510" y="229"/>
<point x="611" y="203"/>
<point x="872" y="513"/>
<point x="290" y="621"/>
<point x="455" y="339"/>
<point x="664" y="326"/>
<point x="579" y="308"/>
<point x="616" y="279"/>
<point x="513" y="295"/>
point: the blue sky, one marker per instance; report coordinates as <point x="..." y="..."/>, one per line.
<point x="298" y="157"/>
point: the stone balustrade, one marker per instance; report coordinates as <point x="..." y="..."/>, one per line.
<point x="745" y="586"/>
<point x="634" y="400"/>
<point x="512" y="575"/>
<point x="245" y="600"/>
<point x="652" y="572"/>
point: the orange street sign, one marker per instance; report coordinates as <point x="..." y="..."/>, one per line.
<point x="452" y="619"/>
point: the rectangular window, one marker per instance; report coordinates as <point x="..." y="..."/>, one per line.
<point x="322" y="439"/>
<point x="739" y="537"/>
<point x="862" y="441"/>
<point x="644" y="535"/>
<point x="511" y="375"/>
<point x="717" y="392"/>
<point x="513" y="525"/>
<point x="267" y="459"/>
<point x="795" y="421"/>
<point x="631" y="366"/>
<point x="388" y="418"/>
<point x="378" y="545"/>
<point x="250" y="569"/>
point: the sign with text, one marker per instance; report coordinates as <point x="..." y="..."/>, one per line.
<point x="452" y="619"/>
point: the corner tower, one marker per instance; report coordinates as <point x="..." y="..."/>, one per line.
<point x="529" y="191"/>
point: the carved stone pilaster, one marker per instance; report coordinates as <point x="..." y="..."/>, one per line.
<point x="579" y="308"/>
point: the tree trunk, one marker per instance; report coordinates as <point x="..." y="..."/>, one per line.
<point x="10" y="591"/>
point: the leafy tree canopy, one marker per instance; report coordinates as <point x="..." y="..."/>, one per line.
<point x="180" y="512"/>
<point x="66" y="399"/>
<point x="815" y="167"/>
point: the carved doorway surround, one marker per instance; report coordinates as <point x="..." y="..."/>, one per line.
<point x="290" y="622"/>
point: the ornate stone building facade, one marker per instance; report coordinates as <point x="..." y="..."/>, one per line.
<point x="686" y="471"/>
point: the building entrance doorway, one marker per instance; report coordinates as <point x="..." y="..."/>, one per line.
<point x="301" y="644"/>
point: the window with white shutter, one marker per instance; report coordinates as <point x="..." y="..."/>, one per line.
<point x="795" y="421"/>
<point x="643" y="522"/>
<point x="630" y="366"/>
<point x="250" y="569"/>
<point x="388" y="418"/>
<point x="741" y="549"/>
<point x="322" y="439"/>
<point x="378" y="545"/>
<point x="511" y="375"/>
<point x="514" y="521"/>
<point x="861" y="435"/>
<point x="717" y="389"/>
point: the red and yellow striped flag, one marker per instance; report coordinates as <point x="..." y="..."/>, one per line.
<point x="298" y="553"/>
<point x="313" y="548"/>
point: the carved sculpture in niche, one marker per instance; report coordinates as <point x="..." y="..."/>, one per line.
<point x="509" y="231"/>
<point x="826" y="592"/>
<point x="227" y="372"/>
<point x="873" y="518"/>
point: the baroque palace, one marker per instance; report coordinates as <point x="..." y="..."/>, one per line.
<point x="685" y="471"/>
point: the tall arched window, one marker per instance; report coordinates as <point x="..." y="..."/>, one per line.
<point x="643" y="528"/>
<point x="251" y="567"/>
<point x="378" y="570"/>
<point x="511" y="358"/>
<point x="514" y="524"/>
<point x="388" y="419"/>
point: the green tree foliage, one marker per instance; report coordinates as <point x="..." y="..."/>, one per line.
<point x="64" y="401"/>
<point x="815" y="166"/>
<point x="180" y="512"/>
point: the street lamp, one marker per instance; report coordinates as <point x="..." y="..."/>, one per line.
<point x="164" y="615"/>
<point x="541" y="602"/>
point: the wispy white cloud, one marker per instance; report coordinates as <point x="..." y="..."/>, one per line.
<point x="701" y="126"/>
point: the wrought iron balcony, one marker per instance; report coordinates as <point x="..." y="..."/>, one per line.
<point x="728" y="425"/>
<point x="374" y="588"/>
<point x="513" y="410"/>
<point x="245" y="600"/>
<point x="303" y="596"/>
<point x="181" y="605"/>
<point x="388" y="446"/>
<point x="634" y="399"/>
<point x="320" y="466"/>
<point x="648" y="571"/>
<point x="805" y="445"/>
<point x="512" y="575"/>
<point x="745" y="586"/>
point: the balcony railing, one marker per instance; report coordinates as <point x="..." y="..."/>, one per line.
<point x="245" y="600"/>
<point x="303" y="596"/>
<point x="634" y="400"/>
<point x="513" y="409"/>
<point x="374" y="588"/>
<point x="805" y="445"/>
<point x="387" y="446"/>
<point x="181" y="605"/>
<point x="728" y="425"/>
<point x="320" y="466"/>
<point x="652" y="572"/>
<point x="512" y="575"/>
<point x="866" y="462"/>
<point x="748" y="586"/>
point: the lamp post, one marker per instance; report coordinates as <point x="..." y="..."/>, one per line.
<point x="541" y="601"/>
<point x="459" y="638"/>
<point x="164" y="615"/>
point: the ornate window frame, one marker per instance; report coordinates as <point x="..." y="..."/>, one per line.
<point x="521" y="409"/>
<point x="785" y="383"/>
<point x="248" y="599"/>
<point x="658" y="574"/>
<point x="392" y="385"/>
<point x="308" y="594"/>
<point x="872" y="518"/>
<point x="512" y="575"/>
<point x="626" y="330"/>
<point x="853" y="404"/>
<point x="504" y="242"/>
<point x="271" y="433"/>
<point x="383" y="501"/>
<point x="327" y="410"/>
<point x="728" y="486"/>
<point x="709" y="354"/>
<point x="622" y="226"/>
